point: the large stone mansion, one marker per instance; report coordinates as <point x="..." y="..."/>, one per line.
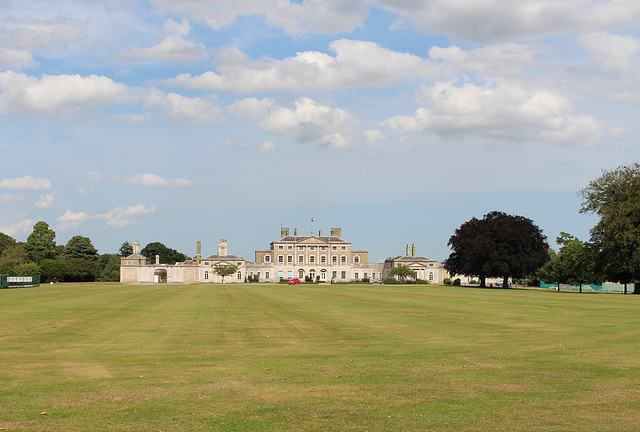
<point x="316" y="258"/>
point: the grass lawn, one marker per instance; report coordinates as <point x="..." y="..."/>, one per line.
<point x="100" y="357"/>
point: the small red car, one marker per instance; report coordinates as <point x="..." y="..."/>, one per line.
<point x="294" y="282"/>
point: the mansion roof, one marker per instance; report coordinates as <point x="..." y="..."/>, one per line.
<point x="300" y="239"/>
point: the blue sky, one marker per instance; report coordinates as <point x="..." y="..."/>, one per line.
<point x="395" y="120"/>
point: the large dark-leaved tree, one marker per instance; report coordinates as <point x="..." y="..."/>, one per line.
<point x="498" y="245"/>
<point x="167" y="255"/>
<point x="615" y="198"/>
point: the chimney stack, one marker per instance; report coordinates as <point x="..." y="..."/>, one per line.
<point x="320" y="233"/>
<point x="157" y="259"/>
<point x="284" y="232"/>
<point x="198" y="252"/>
<point x="413" y="249"/>
<point x="222" y="247"/>
<point x="136" y="247"/>
<point x="407" y="254"/>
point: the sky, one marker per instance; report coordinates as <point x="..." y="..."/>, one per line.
<point x="395" y="120"/>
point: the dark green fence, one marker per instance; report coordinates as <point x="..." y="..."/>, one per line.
<point x="605" y="287"/>
<point x="19" y="281"/>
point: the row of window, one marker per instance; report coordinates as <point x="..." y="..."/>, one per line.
<point x="312" y="259"/>
<point x="312" y="248"/>
<point x="206" y="275"/>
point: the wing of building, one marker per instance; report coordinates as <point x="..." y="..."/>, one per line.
<point x="308" y="258"/>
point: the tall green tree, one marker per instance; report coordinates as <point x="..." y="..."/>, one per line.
<point x="6" y="241"/>
<point x="574" y="264"/>
<point x="126" y="249"/>
<point x="615" y="198"/>
<point x="41" y="242"/>
<point x="167" y="255"/>
<point x="80" y="247"/>
<point x="498" y="245"/>
<point x="12" y="257"/>
<point x="224" y="270"/>
<point x="110" y="267"/>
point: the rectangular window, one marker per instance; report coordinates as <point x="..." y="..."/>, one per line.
<point x="266" y="275"/>
<point x="280" y="274"/>
<point x="301" y="248"/>
<point x="344" y="248"/>
<point x="365" y="275"/>
<point x="334" y="247"/>
<point x="356" y="276"/>
<point x="281" y="259"/>
<point x="239" y="275"/>
<point x="290" y="247"/>
<point x="334" y="259"/>
<point x="290" y="274"/>
<point x="343" y="259"/>
<point x="344" y="275"/>
<point x="280" y="247"/>
<point x="334" y="275"/>
<point x="206" y="263"/>
<point x="323" y="259"/>
<point x="312" y="259"/>
<point x="323" y="248"/>
<point x="300" y="259"/>
<point x="290" y="259"/>
<point x="267" y="258"/>
<point x="312" y="248"/>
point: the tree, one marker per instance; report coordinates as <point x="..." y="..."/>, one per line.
<point x="28" y="269"/>
<point x="402" y="272"/>
<point x="498" y="245"/>
<point x="110" y="267"/>
<point x="11" y="257"/>
<point x="167" y="255"/>
<point x="615" y="198"/>
<point x="81" y="270"/>
<point x="53" y="269"/>
<point x="223" y="270"/>
<point x="80" y="247"/>
<point x="41" y="242"/>
<point x="126" y="249"/>
<point x="6" y="241"/>
<point x="575" y="263"/>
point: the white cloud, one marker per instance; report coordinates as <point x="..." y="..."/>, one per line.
<point x="508" y="59"/>
<point x="181" y="108"/>
<point x="58" y="95"/>
<point x="152" y="180"/>
<point x="179" y="28"/>
<point x="502" y="111"/>
<point x="38" y="35"/>
<point x="356" y="63"/>
<point x="45" y="200"/>
<point x="308" y="122"/>
<point x="26" y="183"/>
<point x="24" y="226"/>
<point x="311" y="16"/>
<point x="268" y="146"/>
<point x="116" y="218"/>
<point x="173" y="49"/>
<point x="373" y="137"/>
<point x="508" y="20"/>
<point x="125" y="216"/>
<point x="612" y="53"/>
<point x="16" y="59"/>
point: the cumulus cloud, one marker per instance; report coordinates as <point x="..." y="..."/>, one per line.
<point x="24" y="226"/>
<point x="308" y="122"/>
<point x="612" y="53"/>
<point x="507" y="20"/>
<point x="26" y="183"/>
<point x="355" y="63"/>
<point x="16" y="59"/>
<point x="173" y="49"/>
<point x="500" y="111"/>
<point x="57" y="94"/>
<point x="40" y="34"/>
<point x="311" y="16"/>
<point x="268" y="146"/>
<point x="182" y="108"/>
<point x="45" y="200"/>
<point x="152" y="180"/>
<point x="116" y="218"/>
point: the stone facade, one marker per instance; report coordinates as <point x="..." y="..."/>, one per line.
<point x="321" y="258"/>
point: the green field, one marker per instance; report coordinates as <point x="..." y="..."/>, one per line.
<point x="100" y="357"/>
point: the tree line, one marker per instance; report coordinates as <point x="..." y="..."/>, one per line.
<point x="508" y="246"/>
<point x="77" y="261"/>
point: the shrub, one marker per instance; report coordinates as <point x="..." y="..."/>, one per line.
<point x="457" y="282"/>
<point x="366" y="280"/>
<point x="390" y="281"/>
<point x="422" y="282"/>
<point x="447" y="281"/>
